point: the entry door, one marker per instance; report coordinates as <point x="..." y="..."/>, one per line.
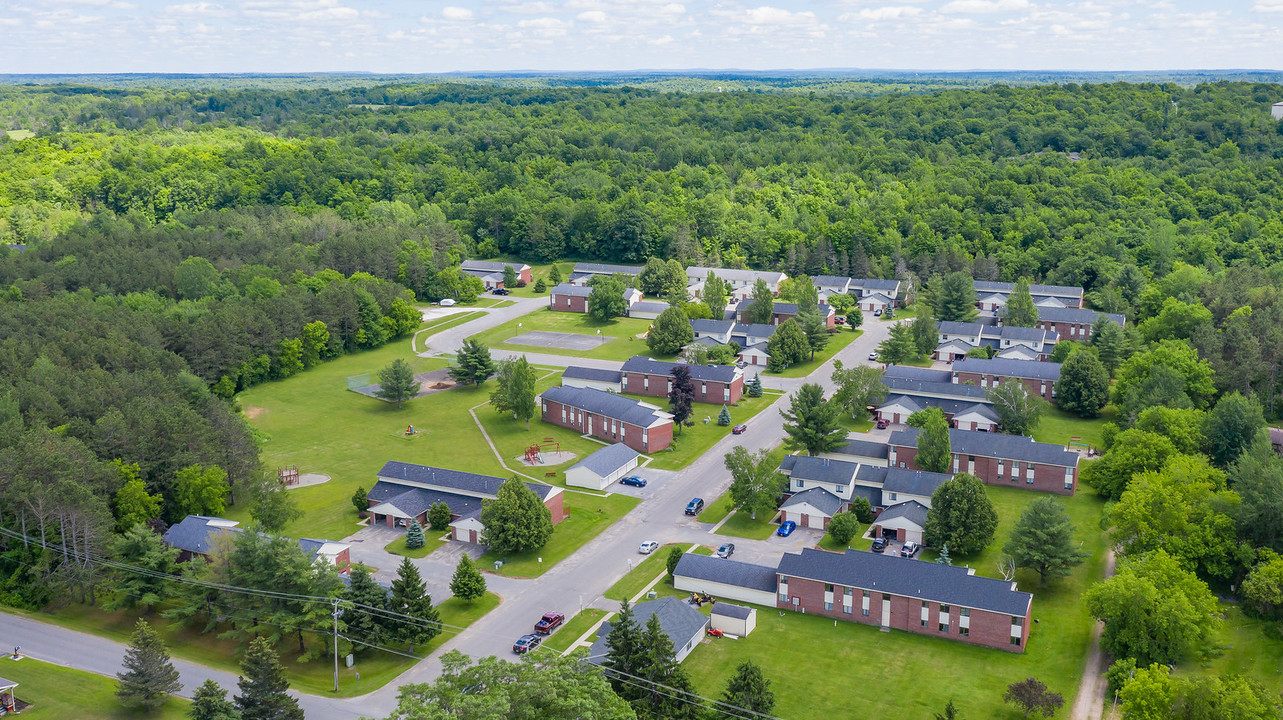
<point x="886" y="611"/>
<point x="589" y="425"/>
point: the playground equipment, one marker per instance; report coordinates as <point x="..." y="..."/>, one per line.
<point x="409" y="430"/>
<point x="288" y="475"/>
<point x="534" y="453"/>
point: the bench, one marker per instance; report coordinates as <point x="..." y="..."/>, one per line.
<point x="550" y="474"/>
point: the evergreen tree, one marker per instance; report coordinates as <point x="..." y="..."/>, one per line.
<point x="934" y="453"/>
<point x="362" y="625"/>
<point x="540" y="286"/>
<point x="360" y="499"/>
<point x="554" y="274"/>
<point x="410" y="597"/>
<point x="954" y="297"/>
<point x="397" y="383"/>
<point x="148" y="678"/>
<point x="748" y="690"/>
<point x="263" y="686"/>
<point x="670" y="332"/>
<point x="623" y="650"/>
<point x="1231" y="427"/>
<point x="754" y="387"/>
<point x="899" y="347"/>
<point x="473" y="365"/>
<point x="812" y="423"/>
<point x="787" y="346"/>
<point x="467" y="584"/>
<point x="924" y="331"/>
<point x="674" y="557"/>
<point x="817" y="333"/>
<point x="762" y="306"/>
<point x="1083" y="387"/>
<point x="1020" y="310"/>
<point x="210" y="702"/>
<point x="1110" y="342"/>
<point x="658" y="666"/>
<point x="716" y="294"/>
<point x="724" y="417"/>
<point x="961" y="516"/>
<point x="139" y="547"/>
<point x="944" y="559"/>
<point x="516" y="521"/>
<point x="1043" y="540"/>
<point x="414" y="537"/>
<point x="439" y="516"/>
<point x="950" y="712"/>
<point x="681" y="395"/>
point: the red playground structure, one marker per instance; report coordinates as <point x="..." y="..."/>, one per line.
<point x="288" y="475"/>
<point x="534" y="453"/>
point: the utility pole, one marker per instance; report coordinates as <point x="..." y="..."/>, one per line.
<point x="336" y="644"/>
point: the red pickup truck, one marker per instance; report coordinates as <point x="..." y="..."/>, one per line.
<point x="549" y="622"/>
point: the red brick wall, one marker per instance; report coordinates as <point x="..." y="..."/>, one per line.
<point x="992" y="630"/>
<point x="343" y="561"/>
<point x="555" y="505"/>
<point x="525" y="276"/>
<point x="658" y="438"/>
<point x="1032" y="385"/>
<point x="1047" y="478"/>
<point x="577" y="304"/>
<point x="635" y="384"/>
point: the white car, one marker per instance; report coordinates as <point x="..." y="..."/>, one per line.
<point x="648" y="547"/>
<point x="873" y="356"/>
<point x="447" y="302"/>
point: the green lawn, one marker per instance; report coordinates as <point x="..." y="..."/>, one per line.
<point x="442" y="323"/>
<point x="536" y="272"/>
<point x="1059" y="427"/>
<point x="456" y="614"/>
<point x="837" y="341"/>
<point x="905" y="313"/>
<point x="862" y="424"/>
<point x="742" y="526"/>
<point x="434" y="541"/>
<point x="59" y="693"/>
<point x="642" y="573"/>
<point x="491" y="301"/>
<point x="974" y="677"/>
<point x="695" y="441"/>
<point x="567" y="634"/>
<point x="624" y="331"/>
<point x="857" y="543"/>
<point x="1250" y="647"/>
<point x="586" y="517"/>
<point x="716" y="510"/>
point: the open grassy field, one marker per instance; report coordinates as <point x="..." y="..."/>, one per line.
<point x="436" y="325"/>
<point x="837" y="341"/>
<point x="20" y="134"/>
<point x="695" y="441"/>
<point x="1248" y="647"/>
<point x="1059" y="427"/>
<point x="59" y="693"/>
<point x="586" y="517"/>
<point x="938" y="670"/>
<point x="624" y="331"/>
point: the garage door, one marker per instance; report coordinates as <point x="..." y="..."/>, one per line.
<point x="815" y="521"/>
<point x="795" y="517"/>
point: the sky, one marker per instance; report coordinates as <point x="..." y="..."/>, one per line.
<point x="430" y="36"/>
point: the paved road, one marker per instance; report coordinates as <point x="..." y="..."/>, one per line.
<point x="576" y="582"/>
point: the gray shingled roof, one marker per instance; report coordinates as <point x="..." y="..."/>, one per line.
<point x="711" y="373"/>
<point x="739" y="612"/>
<point x="572" y="290"/>
<point x="871" y="284"/>
<point x="925" y="388"/>
<point x="949" y="407"/>
<point x="606" y="269"/>
<point x="414" y="501"/>
<point x="729" y="572"/>
<point x="787" y="308"/>
<point x="649" y="306"/>
<point x="608" y="459"/>
<point x="609" y="405"/>
<point x="1004" y="367"/>
<point x="985" y="410"/>
<point x="1076" y="315"/>
<point x="1034" y="289"/>
<point x="820" y="469"/>
<point x="872" y="494"/>
<point x="1007" y="332"/>
<point x="831" y="281"/>
<point x="194" y="535"/>
<point x="464" y="482"/>
<point x="872" y="473"/>
<point x="913" y="511"/>
<point x="700" y="272"/>
<point x="716" y="327"/>
<point x="679" y="621"/>
<point x="1011" y="447"/>
<point x="595" y="374"/>
<point x="491" y="265"/>
<point x="910" y="578"/>
<point x="951" y="327"/>
<point x="913" y="482"/>
<point x="818" y="498"/>
<point x="754" y="329"/>
<point x="863" y="448"/>
<point x="909" y="372"/>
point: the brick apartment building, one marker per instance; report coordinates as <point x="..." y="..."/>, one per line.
<point x="1011" y="460"/>
<point x="1074" y="323"/>
<point x="1038" y="378"/>
<point x="720" y="384"/>
<point x="992" y="295"/>
<point x="491" y="273"/>
<point x="641" y="426"/>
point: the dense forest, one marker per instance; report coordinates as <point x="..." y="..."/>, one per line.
<point x="163" y="248"/>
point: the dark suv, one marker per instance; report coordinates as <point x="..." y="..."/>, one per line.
<point x="694" y="506"/>
<point x="879" y="545"/>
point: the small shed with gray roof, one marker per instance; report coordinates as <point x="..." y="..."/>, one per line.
<point x="734" y="620"/>
<point x="683" y="624"/>
<point x="602" y="468"/>
<point x="595" y="378"/>
<point x="726" y="579"/>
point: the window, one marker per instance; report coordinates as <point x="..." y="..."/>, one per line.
<point x="964" y="631"/>
<point x="1017" y="621"/>
<point x="838" y="489"/>
<point x="964" y="612"/>
<point x="828" y="606"/>
<point x="645" y="382"/>
<point x="944" y="624"/>
<point x="1015" y="641"/>
<point x="848" y="592"/>
<point x="846" y="609"/>
<point x="866" y="593"/>
<point x="828" y="587"/>
<point x="864" y="611"/>
<point x="726" y="393"/>
<point x="784" y="597"/>
<point x="1029" y="475"/>
<point x="798" y="483"/>
<point x="703" y="388"/>
<point x="891" y="496"/>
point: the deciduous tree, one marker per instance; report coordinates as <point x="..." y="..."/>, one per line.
<point x="1083" y="387"/>
<point x="200" y="490"/>
<point x="756" y="481"/>
<point x="681" y="395"/>
<point x="1033" y="696"/>
<point x="1232" y="426"/>
<point x="961" y="515"/>
<point x="924" y="331"/>
<point x="843" y="527"/>
<point x="1020" y="310"/>
<point x="787" y="346"/>
<point x="606" y="301"/>
<point x="1131" y="452"/>
<point x="715" y="295"/>
<point x="439" y="516"/>
<point x="516" y="521"/>
<point x="670" y="332"/>
<point x="762" y="307"/>
<point x="1019" y="410"/>
<point x="934" y="454"/>
<point x="858" y="387"/>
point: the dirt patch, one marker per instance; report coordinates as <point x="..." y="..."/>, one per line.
<point x="549" y="458"/>
<point x="253" y="413"/>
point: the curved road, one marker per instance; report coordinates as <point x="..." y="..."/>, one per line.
<point x="576" y="582"/>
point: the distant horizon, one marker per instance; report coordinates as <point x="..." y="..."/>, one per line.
<point x="679" y="72"/>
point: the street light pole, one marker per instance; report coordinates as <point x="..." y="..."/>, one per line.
<point x="336" y="644"/>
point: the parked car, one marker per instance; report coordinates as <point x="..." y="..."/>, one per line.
<point x="741" y="363"/>
<point x="549" y="622"/>
<point x="877" y="312"/>
<point x="786" y="528"/>
<point x="726" y="550"/>
<point x="501" y="291"/>
<point x="840" y="319"/>
<point x="526" y="643"/>
<point x="447" y="302"/>
<point x="882" y="424"/>
<point x="910" y="549"/>
<point x="634" y="481"/>
<point x="873" y="357"/>
<point x="694" y="506"/>
<point x="648" y="547"/>
<point x="879" y="545"/>
<point x="739" y="429"/>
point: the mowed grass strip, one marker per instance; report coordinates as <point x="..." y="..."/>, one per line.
<point x="974" y="677"/>
<point x="567" y="634"/>
<point x="624" y="331"/>
<point x="59" y="693"/>
<point x="1059" y="427"/>
<point x="694" y="441"/>
<point x="837" y="341"/>
<point x="642" y="573"/>
<point x="587" y="516"/>
<point x="433" y="541"/>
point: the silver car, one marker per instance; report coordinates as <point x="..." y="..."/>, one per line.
<point x="648" y="547"/>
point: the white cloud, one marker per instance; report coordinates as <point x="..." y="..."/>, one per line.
<point x="591" y="16"/>
<point x="197" y="8"/>
<point x="767" y="15"/>
<point x="299" y="10"/>
<point x="984" y="7"/>
<point x="890" y="12"/>
<point x="450" y="12"/>
<point x="1268" y="6"/>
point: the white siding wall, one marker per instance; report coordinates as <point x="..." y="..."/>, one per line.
<point x="722" y="591"/>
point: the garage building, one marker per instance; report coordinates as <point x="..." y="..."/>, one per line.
<point x="729" y="579"/>
<point x="734" y="620"/>
<point x="603" y="468"/>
